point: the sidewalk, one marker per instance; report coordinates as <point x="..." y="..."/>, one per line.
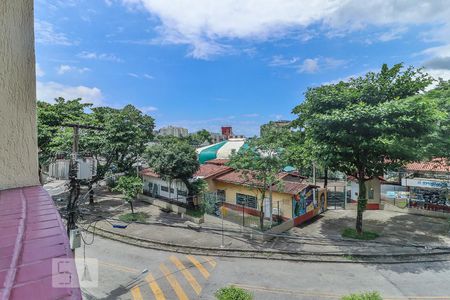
<point x="320" y="238"/>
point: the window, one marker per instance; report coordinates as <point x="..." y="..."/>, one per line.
<point x="221" y="195"/>
<point x="171" y="190"/>
<point x="247" y="200"/>
<point x="181" y="193"/>
<point x="370" y="193"/>
<point x="164" y="188"/>
<point x="150" y="186"/>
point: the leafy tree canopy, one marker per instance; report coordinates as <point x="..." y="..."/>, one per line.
<point x="199" y="137"/>
<point x="173" y="159"/>
<point x="368" y="124"/>
<point x="437" y="144"/>
<point x="130" y="187"/>
<point x="262" y="160"/>
<point x="121" y="143"/>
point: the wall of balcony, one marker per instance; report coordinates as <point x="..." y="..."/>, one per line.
<point x="18" y="137"/>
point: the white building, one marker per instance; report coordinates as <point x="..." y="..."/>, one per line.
<point x="156" y="187"/>
<point x="373" y="192"/>
<point x="173" y="131"/>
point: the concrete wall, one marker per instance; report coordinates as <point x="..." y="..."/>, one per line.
<point x="18" y="136"/>
<point x="163" y="204"/>
<point x="176" y="185"/>
<point x="374" y="184"/>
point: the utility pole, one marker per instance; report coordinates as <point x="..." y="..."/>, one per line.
<point x="74" y="194"/>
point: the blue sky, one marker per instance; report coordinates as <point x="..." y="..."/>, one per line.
<point x="207" y="63"/>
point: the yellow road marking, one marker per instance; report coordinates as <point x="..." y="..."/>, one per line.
<point x="173" y="283"/>
<point x="118" y="267"/>
<point x="199" y="266"/>
<point x="191" y="279"/>
<point x="136" y="293"/>
<point x="159" y="295"/>
<point x="210" y="260"/>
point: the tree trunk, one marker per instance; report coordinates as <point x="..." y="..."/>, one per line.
<point x="261" y="210"/>
<point x="261" y="216"/>
<point x="270" y="205"/>
<point x="362" y="201"/>
<point x="132" y="209"/>
<point x="325" y="179"/>
<point x="91" y="193"/>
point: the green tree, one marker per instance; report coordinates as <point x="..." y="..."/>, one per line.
<point x="174" y="159"/>
<point x="116" y="148"/>
<point x="261" y="161"/>
<point x="199" y="137"/>
<point x="52" y="137"/>
<point x="437" y="144"/>
<point x="130" y="187"/>
<point x="124" y="138"/>
<point x="367" y="125"/>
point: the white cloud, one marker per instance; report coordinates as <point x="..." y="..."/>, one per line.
<point x="48" y="91"/>
<point x="309" y="65"/>
<point x="133" y="75"/>
<point x="439" y="73"/>
<point x="280" y="60"/>
<point x="146" y="76"/>
<point x="99" y="56"/>
<point x="206" y="26"/>
<point x="437" y="59"/>
<point x="148" y="109"/>
<point x="62" y="69"/>
<point x="392" y="34"/>
<point x="39" y="71"/>
<point x="45" y="33"/>
<point x="440" y="51"/>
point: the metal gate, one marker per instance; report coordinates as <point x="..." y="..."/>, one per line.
<point x="336" y="197"/>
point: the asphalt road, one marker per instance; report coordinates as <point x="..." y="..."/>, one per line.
<point x="175" y="276"/>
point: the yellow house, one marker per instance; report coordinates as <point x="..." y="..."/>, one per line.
<point x="292" y="199"/>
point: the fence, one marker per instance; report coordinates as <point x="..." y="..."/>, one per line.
<point x="243" y="215"/>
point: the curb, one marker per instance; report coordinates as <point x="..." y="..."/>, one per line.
<point x="274" y="254"/>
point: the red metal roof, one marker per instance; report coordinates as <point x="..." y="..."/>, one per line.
<point x="435" y="165"/>
<point x="31" y="235"/>
<point x="210" y="170"/>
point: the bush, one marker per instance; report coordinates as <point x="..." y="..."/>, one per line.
<point x="196" y="213"/>
<point x="363" y="296"/>
<point x="233" y="293"/>
<point x="365" y="235"/>
<point x="130" y="217"/>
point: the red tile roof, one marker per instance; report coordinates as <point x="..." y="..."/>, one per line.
<point x="435" y="165"/>
<point x="32" y="235"/>
<point x="239" y="178"/>
<point x="353" y="178"/>
<point x="205" y="171"/>
<point x="149" y="172"/>
<point x="210" y="170"/>
<point x="293" y="188"/>
<point x="217" y="161"/>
